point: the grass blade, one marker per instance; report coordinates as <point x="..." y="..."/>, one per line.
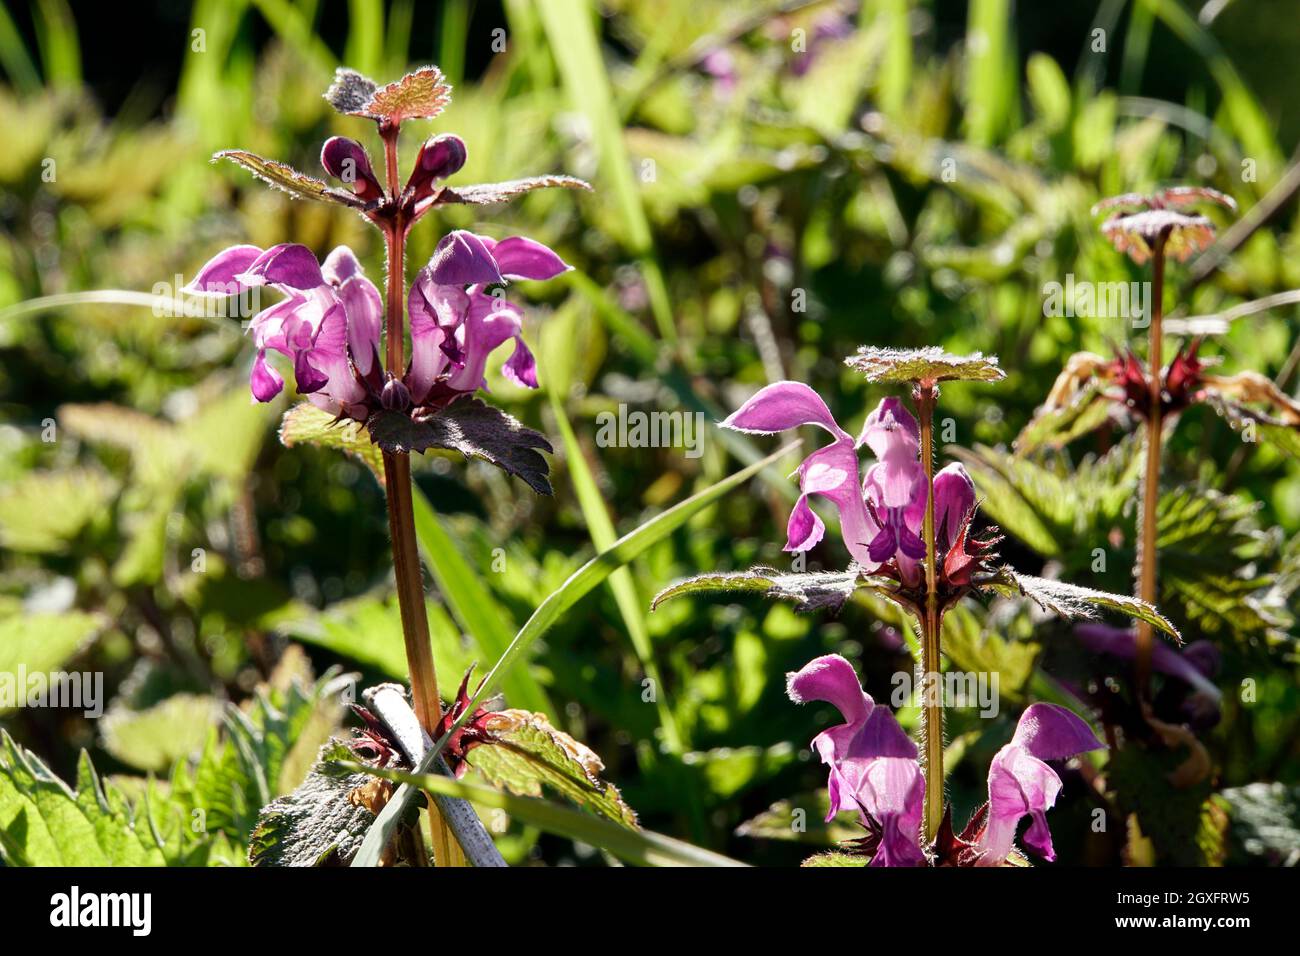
<point x="642" y="847"/>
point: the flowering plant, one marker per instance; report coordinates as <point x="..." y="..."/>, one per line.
<point x="908" y="532"/>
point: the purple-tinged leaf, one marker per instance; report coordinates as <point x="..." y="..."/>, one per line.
<point x="476" y="430"/>
<point x="297" y="184"/>
<point x="422" y="94"/>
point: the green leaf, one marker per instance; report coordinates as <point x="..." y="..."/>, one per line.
<point x="486" y="194"/>
<point x="801" y="819"/>
<point x="526" y="752"/>
<point x="305" y="423"/>
<point x="1056" y="427"/>
<point x="1072" y="602"/>
<point x="155" y="738"/>
<point x="1283" y="437"/>
<point x="286" y="178"/>
<point x="40" y="643"/>
<point x="621" y="582"/>
<point x="810" y="591"/>
<point x="924" y="365"/>
<point x="473" y="428"/>
<point x="44" y="822"/>
<point x="635" y="846"/>
<point x="44" y="511"/>
<point x="579" y="584"/>
<point x="320" y="822"/>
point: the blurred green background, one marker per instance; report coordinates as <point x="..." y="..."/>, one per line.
<point x="775" y="184"/>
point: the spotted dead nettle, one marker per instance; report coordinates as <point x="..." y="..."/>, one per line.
<point x="908" y="531"/>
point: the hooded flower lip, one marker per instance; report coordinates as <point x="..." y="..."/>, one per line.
<point x="456" y="323"/>
<point x="1022" y="784"/>
<point x="831" y="472"/>
<point x="328" y="323"/>
<point x="873" y="768"/>
<point x="872" y="761"/>
<point x="1139" y="222"/>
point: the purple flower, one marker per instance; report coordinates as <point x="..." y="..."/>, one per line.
<point x="872" y="761"/>
<point x="1021" y="783"/>
<point x="881" y="517"/>
<point x="831" y="472"/>
<point x="895" y="486"/>
<point x="873" y="768"/>
<point x="328" y="322"/>
<point x="456" y="323"/>
<point x="1194" y="665"/>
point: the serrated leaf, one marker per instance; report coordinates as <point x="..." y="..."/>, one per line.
<point x="527" y="752"/>
<point x="633" y="845"/>
<point x="323" y="821"/>
<point x="155" y="738"/>
<point x="40" y="643"/>
<point x="43" y="512"/>
<point x="307" y="424"/>
<point x="350" y="91"/>
<point x="1281" y="436"/>
<point x="925" y="365"/>
<point x="1073" y="602"/>
<point x="483" y="194"/>
<point x="44" y="822"/>
<point x="422" y="94"/>
<point x="826" y="590"/>
<point x="1057" y="427"/>
<point x="284" y="177"/>
<point x="476" y="430"/>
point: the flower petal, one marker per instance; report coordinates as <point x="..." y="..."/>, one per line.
<point x="804" y="529"/>
<point x="954" y="497"/>
<point x="1019" y="784"/>
<point x="288" y="264"/>
<point x="521" y="367"/>
<point x="219" y="274"/>
<point x="265" y="381"/>
<point x="830" y="678"/>
<point x="781" y="406"/>
<point x="365" y="320"/>
<point x="462" y="258"/>
<point x="893" y="792"/>
<point x="1052" y="732"/>
<point x="890" y="431"/>
<point x="522" y="258"/>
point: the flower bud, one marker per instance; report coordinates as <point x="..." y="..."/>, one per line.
<point x="440" y="156"/>
<point x="395" y="396"/>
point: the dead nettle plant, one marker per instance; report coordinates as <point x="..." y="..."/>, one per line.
<point x="1150" y="396"/>
<point x="345" y="344"/>
<point x="908" y="531"/>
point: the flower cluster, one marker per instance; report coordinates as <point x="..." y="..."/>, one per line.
<point x="874" y="770"/>
<point x="882" y="513"/>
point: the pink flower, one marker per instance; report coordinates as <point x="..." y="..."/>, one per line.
<point x="873" y="767"/>
<point x="328" y="322"/>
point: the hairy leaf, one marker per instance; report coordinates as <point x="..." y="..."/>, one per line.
<point x="323" y="821"/>
<point x="1072" y="602"/>
<point x="810" y="591"/>
<point x="305" y="423"/>
<point x="483" y="194"/>
<point x="924" y="365"/>
<point x="633" y="845"/>
<point x="837" y="858"/>
<point x="422" y="94"/>
<point x="44" y="511"/>
<point x="286" y="178"/>
<point x="155" y="738"/>
<point x="527" y="752"/>
<point x="476" y="430"/>
<point x="44" y="822"/>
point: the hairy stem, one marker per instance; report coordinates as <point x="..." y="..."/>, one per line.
<point x="931" y="699"/>
<point x="401" y="510"/>
<point x="1151" y="483"/>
